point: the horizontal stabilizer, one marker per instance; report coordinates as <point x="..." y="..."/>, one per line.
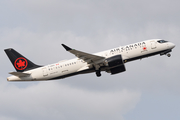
<point x="19" y="74"/>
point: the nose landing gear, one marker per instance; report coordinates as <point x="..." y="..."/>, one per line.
<point x="169" y="55"/>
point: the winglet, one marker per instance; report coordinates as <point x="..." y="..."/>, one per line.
<point x="66" y="47"/>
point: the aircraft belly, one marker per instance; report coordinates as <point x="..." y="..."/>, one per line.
<point x="73" y="73"/>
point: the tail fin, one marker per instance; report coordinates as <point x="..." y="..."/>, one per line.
<point x="19" y="62"/>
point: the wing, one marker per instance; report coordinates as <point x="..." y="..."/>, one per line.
<point x="89" y="58"/>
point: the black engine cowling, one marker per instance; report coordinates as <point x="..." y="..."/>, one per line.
<point x="116" y="64"/>
<point x="117" y="69"/>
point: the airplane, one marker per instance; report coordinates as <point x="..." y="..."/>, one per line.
<point x="112" y="61"/>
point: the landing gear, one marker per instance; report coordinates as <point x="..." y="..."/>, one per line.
<point x="98" y="73"/>
<point x="169" y="55"/>
<point x="98" y="70"/>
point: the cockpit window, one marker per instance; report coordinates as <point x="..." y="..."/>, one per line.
<point x="162" y="41"/>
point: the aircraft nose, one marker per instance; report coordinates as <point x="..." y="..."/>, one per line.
<point x="171" y="45"/>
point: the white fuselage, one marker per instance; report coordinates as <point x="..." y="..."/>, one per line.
<point x="78" y="66"/>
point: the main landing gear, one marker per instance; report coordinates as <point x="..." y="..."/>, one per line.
<point x="98" y="73"/>
<point x="98" y="70"/>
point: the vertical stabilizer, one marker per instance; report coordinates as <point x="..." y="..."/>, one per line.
<point x="19" y="62"/>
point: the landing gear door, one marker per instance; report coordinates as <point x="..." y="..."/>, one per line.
<point x="45" y="73"/>
<point x="153" y="45"/>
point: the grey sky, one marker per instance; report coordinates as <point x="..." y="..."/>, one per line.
<point x="149" y="89"/>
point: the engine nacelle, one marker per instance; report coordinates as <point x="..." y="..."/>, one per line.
<point x="115" y="64"/>
<point x="117" y="69"/>
<point x="114" y="61"/>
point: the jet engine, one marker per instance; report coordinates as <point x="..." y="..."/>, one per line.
<point x="115" y="64"/>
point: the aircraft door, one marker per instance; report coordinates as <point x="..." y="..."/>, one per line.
<point x="153" y="45"/>
<point x="45" y="73"/>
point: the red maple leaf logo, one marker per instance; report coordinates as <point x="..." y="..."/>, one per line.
<point x="20" y="63"/>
